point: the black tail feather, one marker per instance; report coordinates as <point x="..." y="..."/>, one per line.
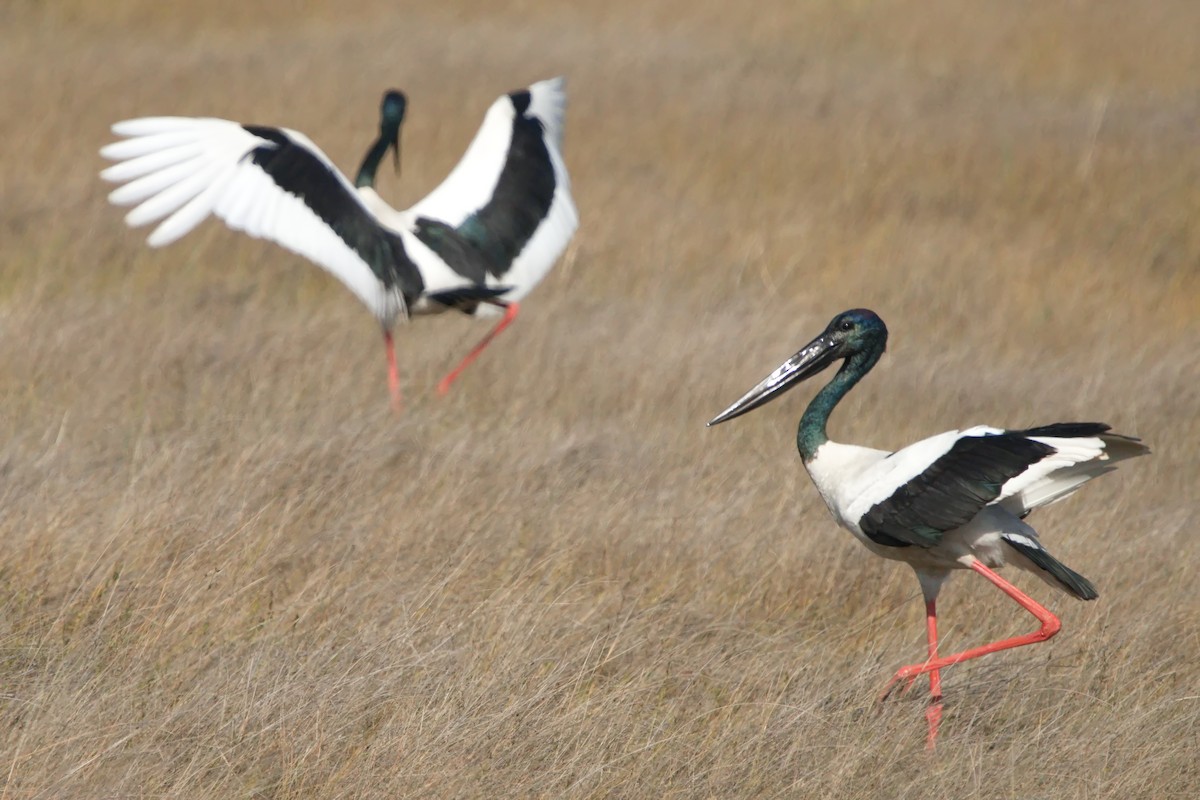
<point x="468" y="298"/>
<point x="1066" y="577"/>
<point x="1067" y="430"/>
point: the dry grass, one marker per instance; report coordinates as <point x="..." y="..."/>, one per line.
<point x="227" y="571"/>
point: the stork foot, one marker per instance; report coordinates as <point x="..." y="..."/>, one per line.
<point x="933" y="715"/>
<point x="901" y="683"/>
<point x="908" y="675"/>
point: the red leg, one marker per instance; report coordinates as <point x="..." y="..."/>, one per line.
<point x="393" y="373"/>
<point x="510" y="313"/>
<point x="934" y="713"/>
<point x="1050" y="626"/>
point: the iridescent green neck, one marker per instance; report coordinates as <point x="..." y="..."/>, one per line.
<point x="811" y="433"/>
<point x="370" y="164"/>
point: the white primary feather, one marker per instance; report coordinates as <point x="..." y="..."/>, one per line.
<point x="184" y="169"/>
<point x="1040" y="476"/>
<point x="548" y="102"/>
<point x="1077" y="461"/>
<point x="151" y="162"/>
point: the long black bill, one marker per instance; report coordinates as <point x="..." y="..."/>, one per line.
<point x="812" y="358"/>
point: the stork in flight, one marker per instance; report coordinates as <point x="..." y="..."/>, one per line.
<point x="953" y="501"/>
<point x="477" y="244"/>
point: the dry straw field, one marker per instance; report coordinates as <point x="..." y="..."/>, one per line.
<point x="227" y="571"/>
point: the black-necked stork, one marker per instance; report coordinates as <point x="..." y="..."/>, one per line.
<point x="953" y="501"/>
<point x="391" y="117"/>
<point x="478" y="243"/>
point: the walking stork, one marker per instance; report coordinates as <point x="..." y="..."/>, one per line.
<point x="477" y="244"/>
<point x="953" y="501"/>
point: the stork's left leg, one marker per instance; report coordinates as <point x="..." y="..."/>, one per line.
<point x="510" y="313"/>
<point x="393" y="373"/>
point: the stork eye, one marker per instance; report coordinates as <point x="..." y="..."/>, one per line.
<point x="846" y="325"/>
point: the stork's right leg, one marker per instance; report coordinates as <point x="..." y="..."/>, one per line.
<point x="510" y="313"/>
<point x="1050" y="626"/>
<point x="931" y="585"/>
<point x="933" y="714"/>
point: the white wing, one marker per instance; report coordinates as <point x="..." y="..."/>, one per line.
<point x="471" y="186"/>
<point x="184" y="169"/>
<point x="1076" y="461"/>
<point x="886" y="475"/>
<point x="1035" y="477"/>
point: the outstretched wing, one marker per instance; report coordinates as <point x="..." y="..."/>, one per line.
<point x="271" y="183"/>
<point x="941" y="483"/>
<point x="509" y="197"/>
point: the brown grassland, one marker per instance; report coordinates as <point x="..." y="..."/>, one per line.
<point x="227" y="571"/>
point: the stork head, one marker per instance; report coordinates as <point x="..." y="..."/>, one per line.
<point x="391" y="116"/>
<point x="858" y="336"/>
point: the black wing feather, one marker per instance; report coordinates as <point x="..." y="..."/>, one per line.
<point x="521" y="198"/>
<point x="460" y="254"/>
<point x="467" y="299"/>
<point x="1067" y="430"/>
<point x="954" y="488"/>
<point x="1067" y="578"/>
<point x="296" y="170"/>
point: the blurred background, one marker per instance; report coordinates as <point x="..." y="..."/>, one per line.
<point x="228" y="571"/>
